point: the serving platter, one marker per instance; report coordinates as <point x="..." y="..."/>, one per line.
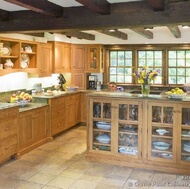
<point x="6" y="51"/>
<point x="161" y="145"/>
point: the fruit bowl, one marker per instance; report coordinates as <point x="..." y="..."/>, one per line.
<point x="177" y="96"/>
<point x="23" y="103"/>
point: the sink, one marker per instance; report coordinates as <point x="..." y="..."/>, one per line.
<point x="151" y="92"/>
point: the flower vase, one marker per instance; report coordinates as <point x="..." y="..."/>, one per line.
<point x="145" y="90"/>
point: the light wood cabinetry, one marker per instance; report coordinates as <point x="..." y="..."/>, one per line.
<point x="8" y="133"/>
<point x="126" y="132"/>
<point x="78" y="57"/>
<point x="95" y="59"/>
<point x="33" y="129"/>
<point x="58" y="118"/>
<point x="45" y="59"/>
<point x="72" y="110"/>
<point x="61" y="57"/>
<point x="78" y="60"/>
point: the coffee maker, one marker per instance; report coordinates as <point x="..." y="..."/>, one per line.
<point x="92" y="80"/>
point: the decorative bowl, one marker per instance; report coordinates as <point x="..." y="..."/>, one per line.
<point x="161" y="145"/>
<point x="103" y="125"/>
<point x="177" y="96"/>
<point x="103" y="138"/>
<point x="166" y="155"/>
<point x="161" y="131"/>
<point x="186" y="86"/>
<point x="128" y="150"/>
<point x="23" y="103"/>
<point x="72" y="89"/>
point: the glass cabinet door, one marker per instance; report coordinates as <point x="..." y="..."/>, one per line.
<point x="129" y="121"/>
<point x="93" y="58"/>
<point x="102" y="126"/>
<point x="185" y="134"/>
<point x="161" y="129"/>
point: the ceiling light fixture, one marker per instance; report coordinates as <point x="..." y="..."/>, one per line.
<point x="148" y="28"/>
<point x="112" y="30"/>
<point x="185" y="26"/>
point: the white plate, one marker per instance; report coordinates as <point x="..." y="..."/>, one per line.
<point x="128" y="150"/>
<point x="6" y="50"/>
<point x="103" y="138"/>
<point x="166" y="155"/>
<point x="103" y="125"/>
<point x="186" y="149"/>
<point x="161" y="145"/>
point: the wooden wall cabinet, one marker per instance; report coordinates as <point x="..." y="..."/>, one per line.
<point x="95" y="59"/>
<point x="61" y="57"/>
<point x="8" y="133"/>
<point x="33" y="129"/>
<point x="45" y="59"/>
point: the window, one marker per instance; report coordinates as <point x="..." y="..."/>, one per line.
<point x="120" y="70"/>
<point x="178" y="66"/>
<point x="152" y="59"/>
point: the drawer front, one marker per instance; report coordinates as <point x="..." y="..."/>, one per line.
<point x="8" y="128"/>
<point x="8" y="147"/>
<point x="57" y="112"/>
<point x="57" y="126"/>
<point x="8" y="113"/>
<point x="57" y="101"/>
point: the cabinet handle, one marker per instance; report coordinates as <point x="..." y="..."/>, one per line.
<point x="34" y="116"/>
<point x="7" y="128"/>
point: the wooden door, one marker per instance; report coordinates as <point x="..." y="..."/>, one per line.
<point x="45" y="59"/>
<point x="78" y="79"/>
<point x="26" y="132"/>
<point x="78" y="58"/>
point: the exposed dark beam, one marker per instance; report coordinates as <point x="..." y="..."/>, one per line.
<point x="98" y="6"/>
<point x="175" y="31"/>
<point x="157" y="5"/>
<point x="41" y="34"/>
<point x="116" y="33"/>
<point x="145" y="33"/>
<point x="4" y="15"/>
<point x="41" y="6"/>
<point x="123" y="15"/>
<point x="78" y="34"/>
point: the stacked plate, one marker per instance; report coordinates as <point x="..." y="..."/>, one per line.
<point x="103" y="138"/>
<point x="161" y="145"/>
<point x="128" y="150"/>
<point x="103" y="125"/>
<point x="186" y="147"/>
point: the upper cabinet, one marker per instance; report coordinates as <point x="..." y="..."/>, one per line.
<point x="95" y="59"/>
<point x="45" y="60"/>
<point x="78" y="54"/>
<point x="61" y="57"/>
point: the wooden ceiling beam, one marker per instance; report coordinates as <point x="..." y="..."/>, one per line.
<point x="4" y="15"/>
<point x="175" y="31"/>
<point x="116" y="34"/>
<point x="78" y="34"/>
<point x="157" y="5"/>
<point x="98" y="6"/>
<point x="42" y="6"/>
<point x="123" y="15"/>
<point x="145" y="33"/>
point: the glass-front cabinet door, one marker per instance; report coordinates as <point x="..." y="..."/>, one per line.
<point x="101" y="122"/>
<point x="184" y="154"/>
<point x="162" y="127"/>
<point x="129" y="120"/>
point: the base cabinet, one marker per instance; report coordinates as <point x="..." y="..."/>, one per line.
<point x="33" y="128"/>
<point x="8" y="133"/>
<point x="128" y="132"/>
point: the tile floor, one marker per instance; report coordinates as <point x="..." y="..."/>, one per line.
<point x="61" y="164"/>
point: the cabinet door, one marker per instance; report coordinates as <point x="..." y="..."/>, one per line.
<point x="184" y="135"/>
<point x="39" y="121"/>
<point x="129" y="123"/>
<point x="78" y="58"/>
<point x="62" y="57"/>
<point x="162" y="117"/>
<point x="95" y="57"/>
<point x="45" y="59"/>
<point x="78" y="79"/>
<point x="101" y="117"/>
<point x="26" y="135"/>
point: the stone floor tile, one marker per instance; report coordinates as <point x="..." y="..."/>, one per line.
<point x="30" y="185"/>
<point x="106" y="186"/>
<point x="7" y="183"/>
<point x="83" y="184"/>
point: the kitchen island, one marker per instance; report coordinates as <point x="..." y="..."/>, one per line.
<point x="126" y="129"/>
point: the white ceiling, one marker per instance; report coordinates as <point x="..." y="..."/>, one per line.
<point x="160" y="34"/>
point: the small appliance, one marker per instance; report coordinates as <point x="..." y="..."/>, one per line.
<point x="92" y="81"/>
